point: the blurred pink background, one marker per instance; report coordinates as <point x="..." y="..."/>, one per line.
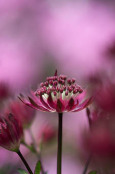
<point x="37" y="37"/>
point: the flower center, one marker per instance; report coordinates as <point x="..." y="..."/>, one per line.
<point x="58" y="86"/>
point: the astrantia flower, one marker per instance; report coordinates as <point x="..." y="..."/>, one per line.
<point x="103" y="90"/>
<point x="100" y="141"/>
<point x="47" y="133"/>
<point x="22" y="112"/>
<point x="5" y="92"/>
<point x="58" y="94"/>
<point x="11" y="132"/>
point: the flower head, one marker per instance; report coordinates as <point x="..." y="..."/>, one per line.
<point x="58" y="94"/>
<point x="11" y="132"/>
<point x="103" y="90"/>
<point x="103" y="145"/>
<point x="22" y="112"/>
<point x="5" y="91"/>
<point x="100" y="139"/>
<point x="47" y="133"/>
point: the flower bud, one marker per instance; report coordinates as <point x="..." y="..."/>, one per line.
<point x="11" y="132"/>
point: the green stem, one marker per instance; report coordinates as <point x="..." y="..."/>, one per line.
<point x="31" y="148"/>
<point x="88" y="117"/>
<point x="59" y="152"/>
<point x="36" y="151"/>
<point x="87" y="164"/>
<point x="25" y="162"/>
<point x="90" y="156"/>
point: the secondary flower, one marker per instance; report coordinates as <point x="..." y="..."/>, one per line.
<point x="103" y="144"/>
<point x="22" y="112"/>
<point x="103" y="90"/>
<point x="5" y="91"/>
<point x="58" y="94"/>
<point x="47" y="133"/>
<point x="100" y="139"/>
<point x="11" y="132"/>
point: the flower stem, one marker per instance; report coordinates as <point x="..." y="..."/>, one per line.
<point x="87" y="164"/>
<point x="59" y="152"/>
<point x="25" y="162"/>
<point x="31" y="148"/>
<point x="38" y="153"/>
<point x="88" y="116"/>
<point x="90" y="156"/>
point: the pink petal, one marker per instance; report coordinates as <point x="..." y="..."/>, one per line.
<point x="70" y="106"/>
<point x="32" y="103"/>
<point x="59" y="107"/>
<point x="44" y="103"/>
<point x="51" y="102"/>
<point x="83" y="105"/>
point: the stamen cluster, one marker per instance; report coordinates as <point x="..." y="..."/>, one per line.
<point x="58" y="85"/>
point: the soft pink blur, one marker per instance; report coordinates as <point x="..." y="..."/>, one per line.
<point x="35" y="38"/>
<point x="76" y="34"/>
<point x="20" y="53"/>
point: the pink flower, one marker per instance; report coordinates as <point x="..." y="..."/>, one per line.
<point x="103" y="144"/>
<point x="103" y="90"/>
<point x="109" y="52"/>
<point x="11" y="132"/>
<point x="100" y="139"/>
<point x="23" y="113"/>
<point x="58" y="94"/>
<point x="4" y="91"/>
<point x="47" y="133"/>
<point x="106" y="97"/>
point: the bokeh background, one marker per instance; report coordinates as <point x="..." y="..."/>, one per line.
<point x="37" y="37"/>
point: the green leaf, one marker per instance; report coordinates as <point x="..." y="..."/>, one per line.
<point x="38" y="168"/>
<point x="93" y="172"/>
<point x="21" y="171"/>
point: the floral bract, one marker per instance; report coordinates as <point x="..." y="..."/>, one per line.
<point x="58" y="94"/>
